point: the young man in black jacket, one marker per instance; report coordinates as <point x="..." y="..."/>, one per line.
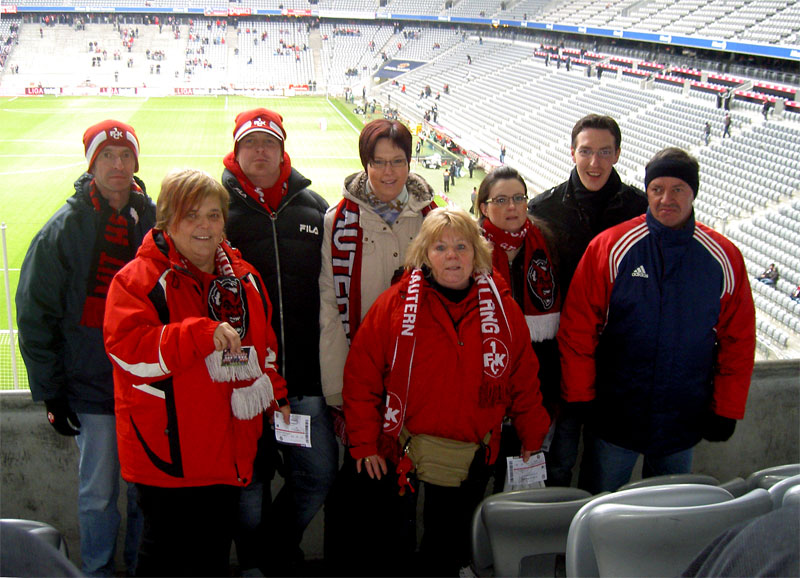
<point x="593" y="199"/>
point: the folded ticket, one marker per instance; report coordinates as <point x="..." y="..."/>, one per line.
<point x="526" y="475"/>
<point x="296" y="433"/>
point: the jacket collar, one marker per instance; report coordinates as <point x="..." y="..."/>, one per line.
<point x="665" y="234"/>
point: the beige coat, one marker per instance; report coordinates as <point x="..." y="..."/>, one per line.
<point x="384" y="251"/>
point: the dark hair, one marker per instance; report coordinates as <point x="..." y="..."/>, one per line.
<point x="380" y="128"/>
<point x="499" y="174"/>
<point x="598" y="121"/>
<point x="675" y="154"/>
<point x="673" y="162"/>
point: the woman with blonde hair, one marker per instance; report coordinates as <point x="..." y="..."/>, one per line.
<point x="438" y="361"/>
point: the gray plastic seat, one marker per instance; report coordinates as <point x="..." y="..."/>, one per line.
<point x="768" y="477"/>
<point x="672" y="479"/>
<point x="530" y="538"/>
<point x="792" y="496"/>
<point x="736" y="486"/>
<point x="43" y="531"/>
<point x="581" y="560"/>
<point x="483" y="561"/>
<point x="778" y="490"/>
<point x="633" y="540"/>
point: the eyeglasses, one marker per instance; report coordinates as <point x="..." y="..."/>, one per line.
<point x="502" y="201"/>
<point x="394" y="163"/>
<point x="604" y="154"/>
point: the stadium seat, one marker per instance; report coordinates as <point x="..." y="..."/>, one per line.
<point x="768" y="477"/>
<point x="529" y="538"/>
<point x="581" y="560"/>
<point x="45" y="532"/>
<point x="792" y="496"/>
<point x="672" y="479"/>
<point x="778" y="490"/>
<point x="636" y="540"/>
<point x="482" y="549"/>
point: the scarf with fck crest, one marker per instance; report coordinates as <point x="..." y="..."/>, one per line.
<point x="495" y="335"/>
<point x="227" y="302"/>
<point x="346" y="250"/>
<point x="114" y="246"/>
<point x="541" y="298"/>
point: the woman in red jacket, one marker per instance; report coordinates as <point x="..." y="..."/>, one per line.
<point x="440" y="358"/>
<point x="187" y="327"/>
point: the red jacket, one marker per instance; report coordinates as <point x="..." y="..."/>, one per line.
<point x="445" y="376"/>
<point x="658" y="328"/>
<point x="175" y="426"/>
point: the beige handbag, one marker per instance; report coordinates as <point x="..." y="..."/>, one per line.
<point x="440" y="461"/>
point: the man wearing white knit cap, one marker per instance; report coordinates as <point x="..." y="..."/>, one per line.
<point x="60" y="301"/>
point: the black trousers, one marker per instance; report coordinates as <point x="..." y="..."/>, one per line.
<point x="187" y="531"/>
<point x="370" y="530"/>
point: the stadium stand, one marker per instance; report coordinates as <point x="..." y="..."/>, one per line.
<point x="748" y="181"/>
<point x="501" y="94"/>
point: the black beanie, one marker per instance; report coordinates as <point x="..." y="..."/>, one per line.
<point x="672" y="167"/>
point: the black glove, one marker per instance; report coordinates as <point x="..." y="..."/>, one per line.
<point x="717" y="428"/>
<point x="62" y="417"/>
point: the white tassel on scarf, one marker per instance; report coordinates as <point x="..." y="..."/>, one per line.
<point x="233" y="371"/>
<point x="248" y="402"/>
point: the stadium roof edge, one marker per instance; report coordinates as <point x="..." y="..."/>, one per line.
<point x="716" y="44"/>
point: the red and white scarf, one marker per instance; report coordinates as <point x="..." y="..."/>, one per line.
<point x="346" y="251"/>
<point x="227" y="301"/>
<point x="113" y="247"/>
<point x="495" y="337"/>
<point x="542" y="298"/>
<point x="269" y="198"/>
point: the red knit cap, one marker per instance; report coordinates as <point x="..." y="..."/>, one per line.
<point x="258" y="120"/>
<point x="109" y="132"/>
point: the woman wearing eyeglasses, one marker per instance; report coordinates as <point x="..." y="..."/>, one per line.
<point x="364" y="245"/>
<point x="521" y="255"/>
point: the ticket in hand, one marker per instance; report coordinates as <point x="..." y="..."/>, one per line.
<point x="296" y="433"/>
<point x="521" y="474"/>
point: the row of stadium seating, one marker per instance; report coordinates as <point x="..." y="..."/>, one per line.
<point x="769" y="21"/>
<point x="529" y="108"/>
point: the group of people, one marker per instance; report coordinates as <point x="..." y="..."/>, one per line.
<point x="172" y="338"/>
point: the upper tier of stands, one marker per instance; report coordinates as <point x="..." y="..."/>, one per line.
<point x="748" y="181"/>
<point x="764" y="21"/>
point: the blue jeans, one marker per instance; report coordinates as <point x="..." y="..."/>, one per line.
<point x="309" y="474"/>
<point x="609" y="466"/>
<point x="310" y="471"/>
<point x="98" y="491"/>
<point x="563" y="453"/>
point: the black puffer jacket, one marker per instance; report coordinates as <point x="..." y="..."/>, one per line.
<point x="285" y="249"/>
<point x="575" y="222"/>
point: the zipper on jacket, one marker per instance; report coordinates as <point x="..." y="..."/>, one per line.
<point x="274" y="218"/>
<point x="273" y="215"/>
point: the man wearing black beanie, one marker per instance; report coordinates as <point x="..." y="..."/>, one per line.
<point x="658" y="333"/>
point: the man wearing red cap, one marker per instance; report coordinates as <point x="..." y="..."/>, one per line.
<point x="60" y="307"/>
<point x="276" y="221"/>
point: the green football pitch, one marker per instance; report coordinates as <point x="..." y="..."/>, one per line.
<point x="41" y="155"/>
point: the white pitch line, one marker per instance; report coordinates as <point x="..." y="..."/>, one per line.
<point x="343" y="116"/>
